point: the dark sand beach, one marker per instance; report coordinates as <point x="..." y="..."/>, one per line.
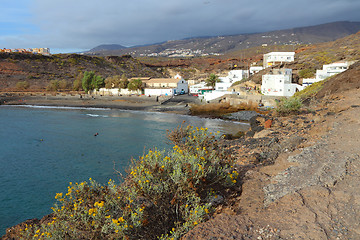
<point x="177" y="104"/>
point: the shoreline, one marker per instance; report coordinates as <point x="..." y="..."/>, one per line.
<point x="134" y="103"/>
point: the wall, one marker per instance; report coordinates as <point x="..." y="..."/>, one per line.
<point x="114" y="92"/>
<point x="267" y="101"/>
<point x="159" y="91"/>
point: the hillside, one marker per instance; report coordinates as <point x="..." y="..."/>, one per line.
<point x="204" y="46"/>
<point x="307" y="185"/>
<point x="39" y="70"/>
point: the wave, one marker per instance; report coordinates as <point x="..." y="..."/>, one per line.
<point x="60" y="107"/>
<point x="96" y="115"/>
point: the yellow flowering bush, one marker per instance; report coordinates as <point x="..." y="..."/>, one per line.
<point x="164" y="195"/>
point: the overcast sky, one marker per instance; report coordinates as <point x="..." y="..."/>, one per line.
<point x="74" y="25"/>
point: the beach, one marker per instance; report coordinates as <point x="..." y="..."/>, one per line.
<point x="177" y="104"/>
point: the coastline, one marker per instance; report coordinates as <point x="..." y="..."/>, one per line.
<point x="136" y="103"/>
<point x="286" y="176"/>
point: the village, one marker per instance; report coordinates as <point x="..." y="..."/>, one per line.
<point x="235" y="87"/>
<point x="43" y="51"/>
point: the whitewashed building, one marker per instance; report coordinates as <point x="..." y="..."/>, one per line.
<point x="255" y="69"/>
<point x="166" y="86"/>
<point x="278" y="83"/>
<point x="332" y="69"/>
<point x="221" y="88"/>
<point x="273" y="58"/>
<point x="196" y="89"/>
<point x="328" y="71"/>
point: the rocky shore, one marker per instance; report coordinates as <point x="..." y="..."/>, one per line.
<point x="300" y="178"/>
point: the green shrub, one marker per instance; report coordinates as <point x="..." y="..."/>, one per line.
<point x="310" y="91"/>
<point x="63" y="84"/>
<point x="53" y="86"/>
<point x="307" y="73"/>
<point x="22" y="85"/>
<point x="288" y="105"/>
<point x="165" y="194"/>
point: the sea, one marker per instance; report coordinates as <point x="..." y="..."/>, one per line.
<point x="42" y="149"/>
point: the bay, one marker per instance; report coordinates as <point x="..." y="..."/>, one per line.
<point x="42" y="149"/>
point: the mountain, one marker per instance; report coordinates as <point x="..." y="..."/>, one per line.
<point x="106" y="47"/>
<point x="204" y="46"/>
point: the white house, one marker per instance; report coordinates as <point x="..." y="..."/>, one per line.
<point x="273" y="58"/>
<point x="328" y="71"/>
<point x="255" y="69"/>
<point x="278" y="83"/>
<point x="166" y="86"/>
<point x="332" y="69"/>
<point x="233" y="76"/>
<point x="196" y="89"/>
<point x="221" y="88"/>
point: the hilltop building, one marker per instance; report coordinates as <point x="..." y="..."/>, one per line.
<point x="328" y="71"/>
<point x="273" y="58"/>
<point x="278" y="83"/>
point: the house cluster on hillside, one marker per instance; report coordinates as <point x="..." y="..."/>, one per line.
<point x="43" y="51"/>
<point x="179" y="53"/>
<point x="277" y="82"/>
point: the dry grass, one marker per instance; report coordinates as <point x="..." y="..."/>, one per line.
<point x="219" y="109"/>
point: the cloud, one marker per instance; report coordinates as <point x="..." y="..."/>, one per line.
<point x="84" y="24"/>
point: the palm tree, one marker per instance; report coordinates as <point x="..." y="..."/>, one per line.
<point x="212" y="80"/>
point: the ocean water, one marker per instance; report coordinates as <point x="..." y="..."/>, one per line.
<point x="42" y="149"/>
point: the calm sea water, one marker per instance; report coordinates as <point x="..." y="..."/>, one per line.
<point x="43" y="149"/>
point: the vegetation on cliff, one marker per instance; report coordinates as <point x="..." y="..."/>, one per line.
<point x="165" y="194"/>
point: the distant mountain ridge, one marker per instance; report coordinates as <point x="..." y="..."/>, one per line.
<point x="106" y="47"/>
<point x="203" y="46"/>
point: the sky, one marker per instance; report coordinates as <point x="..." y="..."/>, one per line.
<point x="79" y="25"/>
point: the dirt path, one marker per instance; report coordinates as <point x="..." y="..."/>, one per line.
<point x="310" y="193"/>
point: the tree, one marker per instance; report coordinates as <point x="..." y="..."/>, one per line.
<point x="91" y="81"/>
<point x="87" y="81"/>
<point x="124" y="82"/>
<point x="116" y="82"/>
<point x="78" y="82"/>
<point x="135" y="84"/>
<point x="212" y="80"/>
<point x="98" y="82"/>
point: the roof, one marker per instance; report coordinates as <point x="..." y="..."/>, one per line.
<point x="280" y="53"/>
<point x="141" y="78"/>
<point x="163" y="80"/>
